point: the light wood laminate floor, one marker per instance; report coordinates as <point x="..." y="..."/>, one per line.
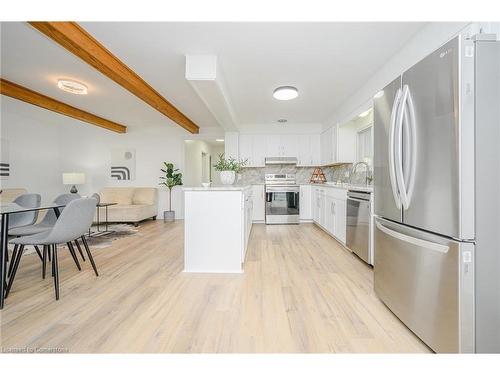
<point x="301" y="292"/>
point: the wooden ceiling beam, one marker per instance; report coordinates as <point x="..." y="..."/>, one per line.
<point x="76" y="40"/>
<point x="24" y="94"/>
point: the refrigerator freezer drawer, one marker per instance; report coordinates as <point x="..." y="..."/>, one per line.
<point x="427" y="281"/>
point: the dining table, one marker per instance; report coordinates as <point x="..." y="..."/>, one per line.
<point x="7" y="209"/>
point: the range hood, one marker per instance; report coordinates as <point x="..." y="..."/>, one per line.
<point x="281" y="160"/>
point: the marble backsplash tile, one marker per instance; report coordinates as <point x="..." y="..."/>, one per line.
<point x="338" y="173"/>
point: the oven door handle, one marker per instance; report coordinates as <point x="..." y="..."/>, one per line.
<point x="358" y="200"/>
<point x="275" y="189"/>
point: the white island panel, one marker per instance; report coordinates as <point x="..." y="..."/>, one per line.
<point x="214" y="228"/>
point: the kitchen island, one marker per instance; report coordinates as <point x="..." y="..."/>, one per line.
<point x="217" y="225"/>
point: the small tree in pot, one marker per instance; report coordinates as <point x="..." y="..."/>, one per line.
<point x="171" y="179"/>
<point x="228" y="168"/>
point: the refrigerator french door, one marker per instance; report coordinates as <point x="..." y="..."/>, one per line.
<point x="424" y="144"/>
<point x="424" y="197"/>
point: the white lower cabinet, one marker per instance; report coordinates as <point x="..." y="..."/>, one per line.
<point x="259" y="203"/>
<point x="322" y="208"/>
<point x="305" y="203"/>
<point x="329" y="210"/>
<point x="340" y="225"/>
<point x="247" y="219"/>
<point x="329" y="214"/>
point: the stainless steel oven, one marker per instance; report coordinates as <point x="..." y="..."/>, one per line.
<point x="358" y="224"/>
<point x="282" y="199"/>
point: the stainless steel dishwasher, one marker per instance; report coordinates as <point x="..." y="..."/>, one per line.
<point x="358" y="223"/>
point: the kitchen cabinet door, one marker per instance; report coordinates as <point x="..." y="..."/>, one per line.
<point x="315" y="204"/>
<point x="335" y="144"/>
<point x="231" y="144"/>
<point x="247" y="221"/>
<point x="259" y="150"/>
<point x="273" y="146"/>
<point x="347" y="144"/>
<point x="322" y="208"/>
<point x="329" y="215"/>
<point x="315" y="155"/>
<point x="289" y="145"/>
<point x="340" y="219"/>
<point x="304" y="158"/>
<point x="305" y="203"/>
<point x="259" y="203"/>
<point x="246" y="148"/>
<point x="327" y="147"/>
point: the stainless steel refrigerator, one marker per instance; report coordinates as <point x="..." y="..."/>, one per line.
<point x="436" y="147"/>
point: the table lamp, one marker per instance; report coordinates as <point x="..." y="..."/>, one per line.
<point x="73" y="178"/>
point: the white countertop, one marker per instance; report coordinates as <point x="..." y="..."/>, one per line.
<point x="368" y="189"/>
<point x="218" y="188"/>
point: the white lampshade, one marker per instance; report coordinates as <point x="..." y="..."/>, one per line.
<point x="73" y="178"/>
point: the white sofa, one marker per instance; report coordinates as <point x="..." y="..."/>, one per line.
<point x="134" y="204"/>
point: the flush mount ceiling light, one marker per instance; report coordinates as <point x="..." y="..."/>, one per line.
<point x="379" y="94"/>
<point x="282" y="120"/>
<point x="219" y="140"/>
<point x="285" y="93"/>
<point x="72" y="87"/>
<point x="365" y="113"/>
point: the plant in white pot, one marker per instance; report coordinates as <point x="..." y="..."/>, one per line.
<point x="171" y="179"/>
<point x="228" y="169"/>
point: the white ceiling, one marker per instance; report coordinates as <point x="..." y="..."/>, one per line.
<point x="326" y="61"/>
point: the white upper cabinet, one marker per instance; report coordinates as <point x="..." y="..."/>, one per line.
<point x="273" y="146"/>
<point x="259" y="150"/>
<point x="289" y="145"/>
<point x="231" y="144"/>
<point x="253" y="148"/>
<point x="256" y="147"/>
<point x="309" y="150"/>
<point x="305" y="156"/>
<point x="246" y="148"/>
<point x="329" y="146"/>
<point x="314" y="141"/>
<point x="347" y="144"/>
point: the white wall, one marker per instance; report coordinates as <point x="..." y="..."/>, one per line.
<point x="33" y="136"/>
<point x="44" y="144"/>
<point x="193" y="161"/>
<point x="424" y="42"/>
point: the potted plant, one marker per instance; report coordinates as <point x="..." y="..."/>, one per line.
<point x="228" y="168"/>
<point x="171" y="179"/>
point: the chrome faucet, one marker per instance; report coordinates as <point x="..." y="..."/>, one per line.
<point x="368" y="175"/>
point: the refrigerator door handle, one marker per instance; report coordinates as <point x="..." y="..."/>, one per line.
<point x="411" y="165"/>
<point x="412" y="240"/>
<point x="398" y="150"/>
<point x="392" y="140"/>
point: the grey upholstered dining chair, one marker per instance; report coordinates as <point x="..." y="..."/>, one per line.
<point x="44" y="225"/>
<point x="73" y="223"/>
<point x="21" y="219"/>
<point x="97" y="197"/>
<point x="25" y="218"/>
